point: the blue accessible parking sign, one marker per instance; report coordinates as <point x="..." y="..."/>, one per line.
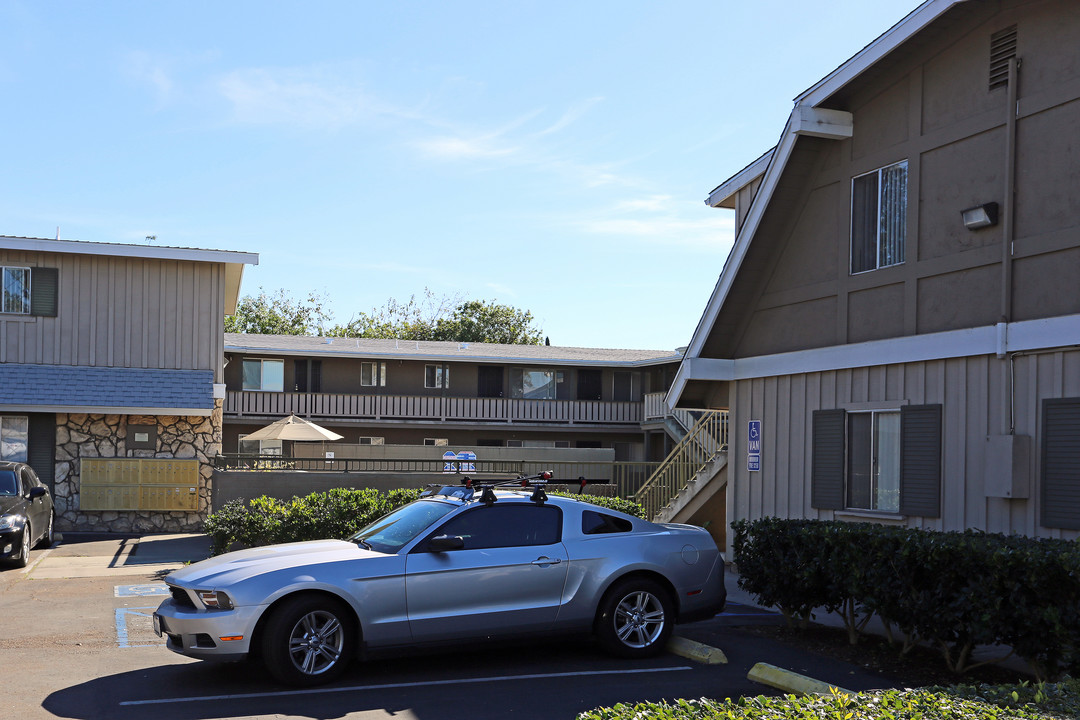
<point x="753" y="446"/>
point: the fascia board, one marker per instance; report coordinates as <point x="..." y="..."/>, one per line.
<point x="1020" y="337"/>
<point x="726" y="190"/>
<point x="122" y="250"/>
<point x="108" y="410"/>
<point x="742" y="242"/>
<point x="362" y="354"/>
<point x="899" y="33"/>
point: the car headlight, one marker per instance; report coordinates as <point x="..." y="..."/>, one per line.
<point x="215" y="599"/>
<point x="10" y="522"/>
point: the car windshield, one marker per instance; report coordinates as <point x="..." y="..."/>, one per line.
<point x="8" y="484"/>
<point x="391" y="532"/>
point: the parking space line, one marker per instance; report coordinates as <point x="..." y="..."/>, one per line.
<point x="392" y="686"/>
<point x="121" y="625"/>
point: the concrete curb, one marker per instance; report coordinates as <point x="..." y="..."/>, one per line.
<point x="698" y="652"/>
<point x="791" y="682"/>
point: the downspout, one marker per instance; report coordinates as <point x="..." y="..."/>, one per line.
<point x="1007" y="236"/>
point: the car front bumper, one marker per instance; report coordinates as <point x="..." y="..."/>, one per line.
<point x="11" y="543"/>
<point x="207" y="634"/>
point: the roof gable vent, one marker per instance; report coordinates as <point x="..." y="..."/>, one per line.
<point x="1002" y="49"/>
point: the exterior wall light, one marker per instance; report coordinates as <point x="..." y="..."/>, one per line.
<point x="980" y="216"/>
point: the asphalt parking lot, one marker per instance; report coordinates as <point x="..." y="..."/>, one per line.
<point x="78" y="642"/>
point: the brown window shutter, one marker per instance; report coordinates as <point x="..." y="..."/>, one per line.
<point x="920" y="460"/>
<point x="827" y="465"/>
<point x="1061" y="464"/>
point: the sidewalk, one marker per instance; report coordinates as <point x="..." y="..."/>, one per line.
<point x="100" y="555"/>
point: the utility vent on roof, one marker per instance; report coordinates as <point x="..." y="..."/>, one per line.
<point x="1002" y="49"/>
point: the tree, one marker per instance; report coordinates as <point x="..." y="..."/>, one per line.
<point x="444" y="318"/>
<point x="278" y="314"/>
<point x="480" y="321"/>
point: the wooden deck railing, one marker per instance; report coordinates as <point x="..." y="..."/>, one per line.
<point x="409" y="407"/>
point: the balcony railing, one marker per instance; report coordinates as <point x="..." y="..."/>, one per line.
<point x="317" y="406"/>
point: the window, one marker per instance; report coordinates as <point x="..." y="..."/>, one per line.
<point x="534" y="383"/>
<point x="372" y="374"/>
<point x="436" y="376"/>
<point x="874" y="461"/>
<point x="259" y="447"/>
<point x="14" y="432"/>
<point x="436" y="442"/>
<point x="509" y="525"/>
<point x="16" y="285"/>
<point x="595" y="523"/>
<point x="562" y="443"/>
<point x="370" y="441"/>
<point x="622" y="389"/>
<point x="883" y="460"/>
<point x="268" y="375"/>
<point x="589" y="385"/>
<point x="879" y="218"/>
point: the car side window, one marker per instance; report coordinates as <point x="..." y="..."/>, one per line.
<point x="595" y="523"/>
<point x="509" y="525"/>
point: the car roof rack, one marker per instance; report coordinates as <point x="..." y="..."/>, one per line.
<point x="538" y="481"/>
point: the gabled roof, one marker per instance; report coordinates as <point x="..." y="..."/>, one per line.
<point x="367" y="348"/>
<point x="234" y="261"/>
<point x="774" y="169"/>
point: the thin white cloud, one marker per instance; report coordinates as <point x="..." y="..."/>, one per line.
<point x="570" y="116"/>
<point x="663" y="220"/>
<point x="153" y="71"/>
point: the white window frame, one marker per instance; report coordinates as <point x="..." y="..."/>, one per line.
<point x="262" y="375"/>
<point x="376" y="374"/>
<point x="370" y="440"/>
<point x="436" y="442"/>
<point x="24" y="301"/>
<point x="875" y="473"/>
<point x="441" y="377"/>
<point x="878" y="263"/>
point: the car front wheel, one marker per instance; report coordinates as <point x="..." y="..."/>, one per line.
<point x="635" y="618"/>
<point x="23" y="558"/>
<point x="308" y="640"/>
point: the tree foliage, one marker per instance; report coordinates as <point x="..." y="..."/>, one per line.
<point x="445" y="318"/>
<point x="278" y="314"/>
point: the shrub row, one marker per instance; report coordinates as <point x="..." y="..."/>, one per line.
<point x="337" y="513"/>
<point x="952" y="590"/>
<point x="982" y="703"/>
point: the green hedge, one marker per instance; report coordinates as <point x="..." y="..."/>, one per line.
<point x="982" y="703"/>
<point x="952" y="590"/>
<point x="337" y="513"/>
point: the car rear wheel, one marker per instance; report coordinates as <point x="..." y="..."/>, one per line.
<point x="635" y="618"/>
<point x="47" y="539"/>
<point x="308" y="640"/>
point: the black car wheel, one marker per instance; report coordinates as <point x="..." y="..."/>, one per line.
<point x="21" y="560"/>
<point x="308" y="640"/>
<point x="46" y="540"/>
<point x="635" y="618"/>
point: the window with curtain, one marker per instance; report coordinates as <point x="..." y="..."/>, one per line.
<point x="879" y="218"/>
<point x="874" y="461"/>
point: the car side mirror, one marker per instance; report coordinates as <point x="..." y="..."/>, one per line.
<point x="36" y="492"/>
<point x="443" y="543"/>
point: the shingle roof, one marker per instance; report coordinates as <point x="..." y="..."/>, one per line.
<point x="105" y="387"/>
<point x="447" y="351"/>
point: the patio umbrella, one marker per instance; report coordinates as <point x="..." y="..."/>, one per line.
<point x="294" y="428"/>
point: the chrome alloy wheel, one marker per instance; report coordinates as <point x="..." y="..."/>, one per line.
<point x="639" y="619"/>
<point x="316" y="642"/>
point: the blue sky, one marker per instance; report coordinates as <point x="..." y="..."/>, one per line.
<point x="553" y="156"/>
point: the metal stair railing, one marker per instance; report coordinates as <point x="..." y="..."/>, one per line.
<point x="706" y="439"/>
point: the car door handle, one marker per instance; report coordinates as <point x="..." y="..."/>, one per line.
<point x="546" y="561"/>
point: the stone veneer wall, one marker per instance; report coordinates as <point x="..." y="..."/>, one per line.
<point x="81" y="436"/>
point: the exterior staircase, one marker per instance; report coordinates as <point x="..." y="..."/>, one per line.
<point x="694" y="471"/>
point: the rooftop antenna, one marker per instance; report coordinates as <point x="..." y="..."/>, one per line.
<point x="57" y="232"/>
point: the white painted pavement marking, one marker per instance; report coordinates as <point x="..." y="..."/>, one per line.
<point x="122" y="616"/>
<point x="391" y="686"/>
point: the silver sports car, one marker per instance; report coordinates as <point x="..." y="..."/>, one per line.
<point x="452" y="566"/>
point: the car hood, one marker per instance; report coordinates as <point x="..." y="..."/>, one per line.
<point x="234" y="567"/>
<point x="9" y="503"/>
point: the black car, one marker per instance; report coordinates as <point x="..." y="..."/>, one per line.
<point x="26" y="513"/>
